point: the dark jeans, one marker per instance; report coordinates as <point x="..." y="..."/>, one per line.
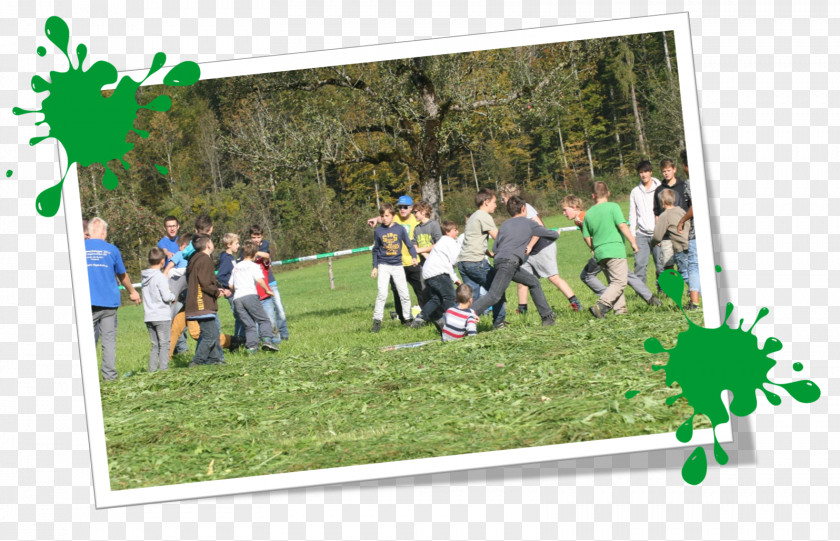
<point x="208" y="350"/>
<point x="505" y="271"/>
<point x="441" y="297"/>
<point x="480" y="274"/>
<point x="414" y="277"/>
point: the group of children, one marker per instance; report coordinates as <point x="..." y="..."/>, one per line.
<point x="181" y="290"/>
<point x="657" y="226"/>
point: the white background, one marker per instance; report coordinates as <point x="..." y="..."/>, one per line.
<point x="771" y="152"/>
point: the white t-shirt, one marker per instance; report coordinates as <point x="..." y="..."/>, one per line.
<point x="244" y="278"/>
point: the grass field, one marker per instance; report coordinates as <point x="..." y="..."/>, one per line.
<point x="330" y="398"/>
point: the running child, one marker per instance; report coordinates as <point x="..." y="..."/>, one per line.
<point x="510" y="252"/>
<point x="602" y="229"/>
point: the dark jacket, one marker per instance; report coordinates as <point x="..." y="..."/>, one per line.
<point x="202" y="289"/>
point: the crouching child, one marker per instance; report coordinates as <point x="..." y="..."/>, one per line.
<point x="460" y="321"/>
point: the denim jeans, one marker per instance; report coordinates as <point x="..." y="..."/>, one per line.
<point x="208" y="350"/>
<point x="238" y="328"/>
<point x="441" y="297"/>
<point x="681" y="259"/>
<point x="693" y="267"/>
<point x="642" y="257"/>
<point x="505" y="271"/>
<point x="480" y="274"/>
<point x="273" y="307"/>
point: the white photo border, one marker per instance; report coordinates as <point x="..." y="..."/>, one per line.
<point x="678" y="23"/>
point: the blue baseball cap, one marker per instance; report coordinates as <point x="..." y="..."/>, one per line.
<point x="405" y="200"/>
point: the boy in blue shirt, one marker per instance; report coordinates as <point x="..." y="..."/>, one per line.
<point x="387" y="263"/>
<point x="104" y="262"/>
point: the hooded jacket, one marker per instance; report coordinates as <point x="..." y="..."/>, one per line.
<point x="156" y="296"/>
<point x="202" y="289"/>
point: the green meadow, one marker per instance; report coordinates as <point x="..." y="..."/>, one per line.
<point x="331" y="398"/>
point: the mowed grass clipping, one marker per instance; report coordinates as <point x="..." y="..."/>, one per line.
<point x="330" y="398"/>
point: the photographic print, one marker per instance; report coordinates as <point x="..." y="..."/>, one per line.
<point x="392" y="260"/>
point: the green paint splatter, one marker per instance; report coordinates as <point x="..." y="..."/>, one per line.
<point x="161" y="169"/>
<point x="797" y="367"/>
<point x="630" y="394"/>
<point x="41" y="51"/>
<point x="93" y="128"/>
<point x="9" y="173"/>
<point x="706" y="362"/>
<point x="718" y="268"/>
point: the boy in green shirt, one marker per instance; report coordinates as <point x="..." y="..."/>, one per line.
<point x="602" y="228"/>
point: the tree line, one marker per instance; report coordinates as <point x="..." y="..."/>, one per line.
<point x="309" y="154"/>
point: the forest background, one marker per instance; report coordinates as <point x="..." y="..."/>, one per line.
<point x="309" y="154"/>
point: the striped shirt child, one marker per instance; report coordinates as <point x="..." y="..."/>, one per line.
<point x="458" y="323"/>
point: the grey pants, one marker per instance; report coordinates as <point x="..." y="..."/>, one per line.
<point x="642" y="258"/>
<point x="105" y="325"/>
<point x="254" y="319"/>
<point x="589" y="276"/>
<point x="159" y="336"/>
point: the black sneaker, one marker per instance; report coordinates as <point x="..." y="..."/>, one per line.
<point x="501" y="325"/>
<point x="394" y="315"/>
<point x="267" y="345"/>
<point x="654" y="301"/>
<point x="598" y="310"/>
<point x="692" y="306"/>
<point x="548" y="320"/>
<point x="377" y="323"/>
<point x="439" y="324"/>
<point x="417" y="322"/>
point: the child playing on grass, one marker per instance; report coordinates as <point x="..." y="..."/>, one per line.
<point x="270" y="298"/>
<point x="693" y="266"/>
<point x="387" y="263"/>
<point x="425" y="235"/>
<point x="602" y="229"/>
<point x="156" y="311"/>
<point x="227" y="260"/>
<point x="243" y="280"/>
<point x="542" y="259"/>
<point x="573" y="210"/>
<point x="666" y="225"/>
<point x="178" y="286"/>
<point x="642" y="222"/>
<point x="510" y="253"/>
<point x="203" y="226"/>
<point x="460" y="321"/>
<point x="201" y="305"/>
<point x="439" y="275"/>
<point x="472" y="261"/>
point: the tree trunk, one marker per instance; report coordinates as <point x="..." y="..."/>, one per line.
<point x="376" y="189"/>
<point x="638" y="115"/>
<point x="667" y="53"/>
<point x="475" y="175"/>
<point x="617" y="137"/>
<point x="562" y="146"/>
<point x="440" y="185"/>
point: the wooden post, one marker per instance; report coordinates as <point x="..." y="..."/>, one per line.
<point x="332" y="278"/>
